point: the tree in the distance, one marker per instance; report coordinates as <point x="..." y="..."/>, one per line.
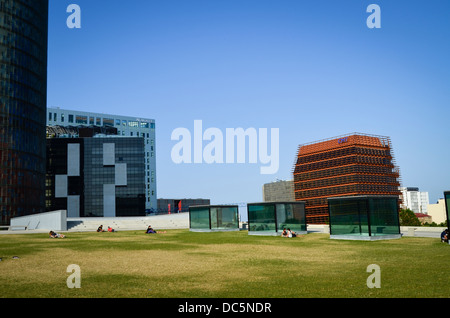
<point x="408" y="218"/>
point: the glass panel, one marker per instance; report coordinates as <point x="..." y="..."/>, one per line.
<point x="214" y="217"/>
<point x="291" y="216"/>
<point x="348" y="217"/>
<point x="384" y="216"/>
<point x="447" y="207"/>
<point x="199" y="217"/>
<point x="224" y="218"/>
<point x="363" y="215"/>
<point x="230" y="217"/>
<point x="81" y="119"/>
<point x="108" y="122"/>
<point x="261" y="218"/>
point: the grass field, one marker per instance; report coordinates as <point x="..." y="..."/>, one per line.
<point x="180" y="263"/>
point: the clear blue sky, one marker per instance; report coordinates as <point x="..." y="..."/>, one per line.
<point x="311" y="68"/>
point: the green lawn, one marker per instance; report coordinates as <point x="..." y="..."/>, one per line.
<point x="180" y="263"/>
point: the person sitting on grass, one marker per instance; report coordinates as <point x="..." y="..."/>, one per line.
<point x="150" y="230"/>
<point x="100" y="229"/>
<point x="444" y="236"/>
<point x="291" y="233"/>
<point x="110" y="229"/>
<point x="284" y="233"/>
<point x="56" y="235"/>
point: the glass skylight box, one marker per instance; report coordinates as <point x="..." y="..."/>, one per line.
<point x="364" y="217"/>
<point x="208" y="218"/>
<point x="270" y="218"/>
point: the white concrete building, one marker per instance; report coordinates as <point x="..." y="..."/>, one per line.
<point x="415" y="200"/>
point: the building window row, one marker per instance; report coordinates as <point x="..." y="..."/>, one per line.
<point x="347" y="179"/>
<point x="91" y="120"/>
<point x="384" y="152"/>
<point x="338" y="162"/>
<point x="345" y="189"/>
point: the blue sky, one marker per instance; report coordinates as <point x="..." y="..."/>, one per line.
<point x="313" y="69"/>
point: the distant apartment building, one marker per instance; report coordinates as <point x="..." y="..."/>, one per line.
<point x="126" y="126"/>
<point x="351" y="165"/>
<point x="96" y="176"/>
<point x="280" y="190"/>
<point x="415" y="200"/>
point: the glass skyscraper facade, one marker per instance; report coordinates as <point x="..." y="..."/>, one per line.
<point x="23" y="97"/>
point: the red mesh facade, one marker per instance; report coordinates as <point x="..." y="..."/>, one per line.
<point x="355" y="164"/>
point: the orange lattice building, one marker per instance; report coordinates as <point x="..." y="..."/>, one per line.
<point x="354" y="164"/>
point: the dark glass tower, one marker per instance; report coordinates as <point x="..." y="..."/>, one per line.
<point x="23" y="98"/>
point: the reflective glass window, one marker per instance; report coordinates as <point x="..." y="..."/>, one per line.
<point x="81" y="119"/>
<point x="363" y="216"/>
<point x="291" y="216"/>
<point x="383" y="216"/>
<point x="108" y="122"/>
<point x="261" y="218"/>
<point x="224" y="218"/>
<point x="199" y="218"/>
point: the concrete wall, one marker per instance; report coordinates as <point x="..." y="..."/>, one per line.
<point x="55" y="220"/>
<point x="158" y="222"/>
<point x="422" y="231"/>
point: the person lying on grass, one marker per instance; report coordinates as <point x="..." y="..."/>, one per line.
<point x="56" y="235"/>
